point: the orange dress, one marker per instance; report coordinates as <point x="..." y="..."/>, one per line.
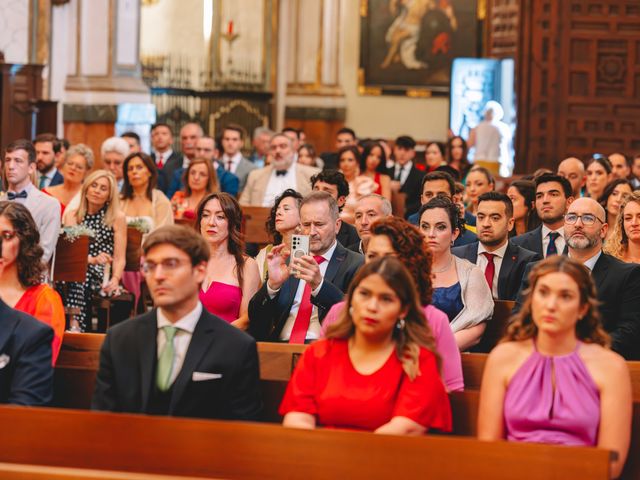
<point x="44" y="303"/>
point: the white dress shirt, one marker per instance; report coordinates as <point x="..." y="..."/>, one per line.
<point x="45" y="211"/>
<point x="314" y="331"/>
<point x="165" y="157"/>
<point x="561" y="243"/>
<point x="48" y="177"/>
<point x="235" y="161"/>
<point x="186" y="325"/>
<point x="278" y="184"/>
<point x="498" y="256"/>
<point x="406" y="169"/>
<point x="591" y="262"/>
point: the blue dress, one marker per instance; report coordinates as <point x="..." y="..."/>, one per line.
<point x="448" y="299"/>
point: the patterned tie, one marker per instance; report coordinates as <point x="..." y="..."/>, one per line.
<point x="551" y="248"/>
<point x="160" y="162"/>
<point x="303" y="318"/>
<point x="165" y="360"/>
<point x="490" y="271"/>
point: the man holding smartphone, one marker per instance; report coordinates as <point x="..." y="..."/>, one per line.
<point x="293" y="302"/>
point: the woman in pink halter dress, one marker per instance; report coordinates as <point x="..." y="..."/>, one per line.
<point x="553" y="378"/>
<point x="232" y="277"/>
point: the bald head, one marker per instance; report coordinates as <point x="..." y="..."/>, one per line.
<point x="585" y="235"/>
<point x="573" y="170"/>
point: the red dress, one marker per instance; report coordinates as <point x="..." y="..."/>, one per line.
<point x="376" y="179"/>
<point x="326" y="384"/>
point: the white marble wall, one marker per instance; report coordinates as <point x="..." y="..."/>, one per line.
<point x="14" y="30"/>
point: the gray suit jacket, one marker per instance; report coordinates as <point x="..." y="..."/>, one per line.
<point x="242" y="172"/>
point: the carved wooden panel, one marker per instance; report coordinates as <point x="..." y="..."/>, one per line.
<point x="578" y="80"/>
<point x="502" y="28"/>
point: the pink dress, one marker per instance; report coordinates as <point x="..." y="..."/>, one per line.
<point x="445" y="343"/>
<point x="552" y="400"/>
<point x="222" y="300"/>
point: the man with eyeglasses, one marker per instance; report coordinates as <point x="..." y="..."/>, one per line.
<point x="554" y="194"/>
<point x="19" y="168"/>
<point x="617" y="283"/>
<point x="441" y="184"/>
<point x="178" y="359"/>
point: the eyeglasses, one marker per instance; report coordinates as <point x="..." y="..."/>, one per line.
<point x="588" y="219"/>
<point x="8" y="234"/>
<point x="168" y="265"/>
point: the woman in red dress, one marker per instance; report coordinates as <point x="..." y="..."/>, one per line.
<point x="22" y="279"/>
<point x="377" y="370"/>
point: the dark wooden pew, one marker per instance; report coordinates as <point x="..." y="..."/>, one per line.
<point x="17" y="471"/>
<point x="496" y="326"/>
<point x="199" y="448"/>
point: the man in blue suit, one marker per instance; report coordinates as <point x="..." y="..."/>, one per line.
<point x="48" y="174"/>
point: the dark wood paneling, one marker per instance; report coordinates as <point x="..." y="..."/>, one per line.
<point x="502" y="28"/>
<point x="578" y="80"/>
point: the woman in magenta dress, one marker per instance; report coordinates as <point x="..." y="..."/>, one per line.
<point x="232" y="277"/>
<point x="553" y="378"/>
<point x="394" y="236"/>
<point x="377" y="370"/>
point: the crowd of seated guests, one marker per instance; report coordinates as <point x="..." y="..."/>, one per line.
<point x="387" y="306"/>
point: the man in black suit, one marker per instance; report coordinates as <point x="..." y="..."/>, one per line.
<point x="48" y="174"/>
<point x="287" y="309"/>
<point x="334" y="183"/>
<point x="178" y="359"/>
<point x="617" y="283"/>
<point x="406" y="178"/>
<point x="344" y="138"/>
<point x="26" y="374"/>
<point x="502" y="262"/>
<point x="554" y="194"/>
<point x="163" y="155"/>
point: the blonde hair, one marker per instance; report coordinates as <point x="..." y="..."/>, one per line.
<point x="409" y="338"/>
<point x="618" y="242"/>
<point x="113" y="202"/>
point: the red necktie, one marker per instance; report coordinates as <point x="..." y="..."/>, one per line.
<point x="490" y="271"/>
<point x="303" y="318"/>
<point x="160" y="163"/>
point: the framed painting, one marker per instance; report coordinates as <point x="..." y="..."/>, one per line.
<point x="407" y="46"/>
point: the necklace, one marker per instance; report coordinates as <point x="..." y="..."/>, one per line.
<point x="445" y="268"/>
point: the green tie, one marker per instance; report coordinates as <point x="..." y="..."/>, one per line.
<point x="165" y="361"/>
<point x="43" y="180"/>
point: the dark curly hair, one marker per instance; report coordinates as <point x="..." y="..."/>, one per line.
<point x="271" y="222"/>
<point x="411" y="249"/>
<point x="588" y="329"/>
<point x="233" y="214"/>
<point x="31" y="268"/>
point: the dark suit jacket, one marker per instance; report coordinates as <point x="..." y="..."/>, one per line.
<point x="412" y="187"/>
<point x="57" y="179"/>
<point x="128" y="359"/>
<point x="26" y="374"/>
<point x="165" y="174"/>
<point x="512" y="268"/>
<point x="347" y="235"/>
<point x="618" y="289"/>
<point x="532" y="241"/>
<point x="267" y="316"/>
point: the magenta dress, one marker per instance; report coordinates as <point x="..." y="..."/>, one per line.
<point x="535" y="411"/>
<point x="222" y="300"/>
<point x="445" y="343"/>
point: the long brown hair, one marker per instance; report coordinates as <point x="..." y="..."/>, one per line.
<point x="127" y="189"/>
<point x="212" y="182"/>
<point x="233" y="214"/>
<point x="415" y="333"/>
<point x="588" y="329"/>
